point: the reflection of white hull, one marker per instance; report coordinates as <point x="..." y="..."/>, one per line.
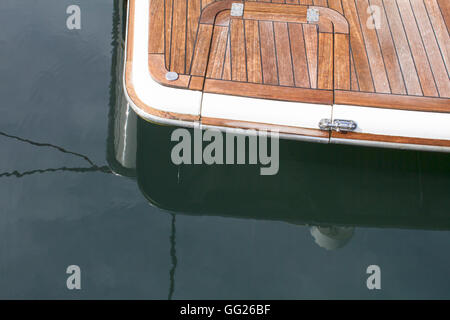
<point x="122" y="142"/>
<point x="176" y="103"/>
<point x="125" y="137"/>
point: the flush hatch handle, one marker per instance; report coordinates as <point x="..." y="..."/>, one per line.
<point x="337" y="125"/>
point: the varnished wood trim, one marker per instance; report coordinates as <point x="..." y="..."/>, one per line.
<point x="196" y="83"/>
<point x="212" y="10"/>
<point x="275" y="8"/>
<point x="157" y="69"/>
<point x="275" y="12"/>
<point x="278" y="17"/>
<point x="391" y="101"/>
<point x="146" y="108"/>
<point x="264" y="126"/>
<point x="272" y="92"/>
<point x="129" y="81"/>
<point x="130" y="32"/>
<point x="331" y="21"/>
<point x="390" y="139"/>
<point x="223" y="19"/>
<point x="279" y="12"/>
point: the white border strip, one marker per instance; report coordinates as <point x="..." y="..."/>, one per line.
<point x="399" y="123"/>
<point x="274" y="112"/>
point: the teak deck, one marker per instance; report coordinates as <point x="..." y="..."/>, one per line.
<point x="273" y="51"/>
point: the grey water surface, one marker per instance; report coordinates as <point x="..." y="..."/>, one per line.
<point x="158" y="231"/>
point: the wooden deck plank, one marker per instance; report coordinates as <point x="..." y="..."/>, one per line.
<point x="406" y="60"/>
<point x="178" y="52"/>
<point x="342" y="76"/>
<point x="193" y="17"/>
<point x="336" y="5"/>
<point x="373" y="49"/>
<point x="156" y="42"/>
<point x="205" y="3"/>
<point x="389" y="101"/>
<point x="280" y="12"/>
<point x="353" y="75"/>
<point x="325" y="68"/>
<point x="310" y="33"/>
<point x="283" y="51"/>
<point x="168" y="31"/>
<point x="268" y="53"/>
<point x="444" y="5"/>
<point x="254" y="69"/>
<point x="272" y="92"/>
<point x="238" y="55"/>
<point x="440" y="29"/>
<point x="279" y="17"/>
<point x="322" y="3"/>
<point x="217" y="52"/>
<point x="299" y="60"/>
<point x="389" y="53"/>
<point x="358" y="47"/>
<point x="432" y="48"/>
<point x="417" y="48"/>
<point x="275" y="8"/>
<point x="201" y="52"/>
<point x="226" y="73"/>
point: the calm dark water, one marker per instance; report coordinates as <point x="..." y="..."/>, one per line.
<point x="161" y="231"/>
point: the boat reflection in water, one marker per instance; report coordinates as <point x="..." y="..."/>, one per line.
<point x="333" y="189"/>
<point x="121" y="145"/>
